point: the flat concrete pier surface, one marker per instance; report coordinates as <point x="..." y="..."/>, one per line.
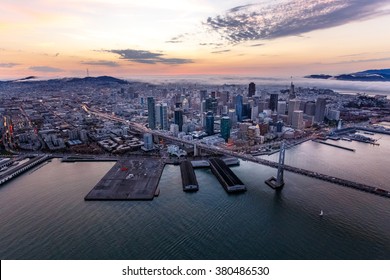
<point x="129" y="179"/>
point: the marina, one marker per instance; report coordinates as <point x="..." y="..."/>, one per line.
<point x="129" y="179"/>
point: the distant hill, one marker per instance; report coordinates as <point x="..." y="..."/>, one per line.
<point x="98" y="80"/>
<point x="379" y="75"/>
<point x="101" y="79"/>
<point x="319" y="76"/>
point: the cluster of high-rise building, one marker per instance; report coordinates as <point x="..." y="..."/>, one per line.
<point x="52" y="117"/>
<point x="220" y="112"/>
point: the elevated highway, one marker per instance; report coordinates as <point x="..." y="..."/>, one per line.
<point x="217" y="150"/>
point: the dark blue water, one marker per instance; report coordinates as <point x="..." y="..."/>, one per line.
<point x="43" y="214"/>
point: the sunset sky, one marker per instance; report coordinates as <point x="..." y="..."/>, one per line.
<point x="126" y="38"/>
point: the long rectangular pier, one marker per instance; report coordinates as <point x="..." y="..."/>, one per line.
<point x="334" y="145"/>
<point x="13" y="173"/>
<point x="129" y="179"/>
<point x="229" y="181"/>
<point x="188" y="177"/>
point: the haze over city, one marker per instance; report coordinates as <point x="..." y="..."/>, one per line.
<point x="187" y="37"/>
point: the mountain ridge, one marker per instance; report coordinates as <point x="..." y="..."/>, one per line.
<point x="373" y="75"/>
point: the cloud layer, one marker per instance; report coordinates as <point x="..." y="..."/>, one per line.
<point x="8" y="65"/>
<point x="46" y="69"/>
<point x="290" y="17"/>
<point x="101" y="63"/>
<point x="147" y="57"/>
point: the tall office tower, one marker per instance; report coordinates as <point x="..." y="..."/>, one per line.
<point x="174" y="129"/>
<point x="224" y="97"/>
<point x="239" y="107"/>
<point x="293" y="105"/>
<point x="246" y="111"/>
<point x="164" y="116"/>
<point x="233" y="117"/>
<point x="148" y="141"/>
<point x="189" y="101"/>
<point x="224" y="110"/>
<point x="297" y="119"/>
<point x="254" y="113"/>
<point x="310" y="108"/>
<point x="186" y="104"/>
<point x="177" y="98"/>
<point x="282" y="106"/>
<point x="211" y="104"/>
<point x="151" y="113"/>
<point x="263" y="105"/>
<point x="179" y="118"/>
<point x="158" y="124"/>
<point x="292" y="92"/>
<point x="320" y="110"/>
<point x="225" y="128"/>
<point x="203" y="107"/>
<point x="273" y="102"/>
<point x="302" y="105"/>
<point x="251" y="89"/>
<point x="210" y="123"/>
<point x="202" y="120"/>
<point x="203" y="94"/>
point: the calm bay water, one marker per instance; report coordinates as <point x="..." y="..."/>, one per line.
<point x="43" y="214"/>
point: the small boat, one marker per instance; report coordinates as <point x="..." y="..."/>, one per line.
<point x="321" y="213"/>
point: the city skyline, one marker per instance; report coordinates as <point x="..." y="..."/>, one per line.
<point x="132" y="38"/>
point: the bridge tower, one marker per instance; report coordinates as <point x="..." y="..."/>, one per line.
<point x="278" y="182"/>
<point x="279" y="177"/>
<point x="196" y="151"/>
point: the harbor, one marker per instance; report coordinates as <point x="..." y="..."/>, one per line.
<point x="229" y="181"/>
<point x="129" y="179"/>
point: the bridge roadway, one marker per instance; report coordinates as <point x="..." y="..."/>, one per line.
<point x="217" y="150"/>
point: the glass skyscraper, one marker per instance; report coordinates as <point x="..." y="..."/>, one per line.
<point x="151" y="113"/>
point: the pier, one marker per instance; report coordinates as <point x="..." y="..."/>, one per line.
<point x="188" y="177"/>
<point x="129" y="179"/>
<point x="200" y="163"/>
<point x="229" y="181"/>
<point x="86" y="158"/>
<point x="229" y="161"/>
<point x="14" y="172"/>
<point x="334" y="145"/>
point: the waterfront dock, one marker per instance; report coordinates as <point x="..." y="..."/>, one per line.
<point x="18" y="170"/>
<point x="129" y="179"/>
<point x="200" y="163"/>
<point x="86" y="159"/>
<point x="229" y="181"/>
<point x="188" y="177"/>
<point x="229" y="161"/>
<point x="334" y="145"/>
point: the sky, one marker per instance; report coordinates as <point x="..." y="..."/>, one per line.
<point x="128" y="38"/>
